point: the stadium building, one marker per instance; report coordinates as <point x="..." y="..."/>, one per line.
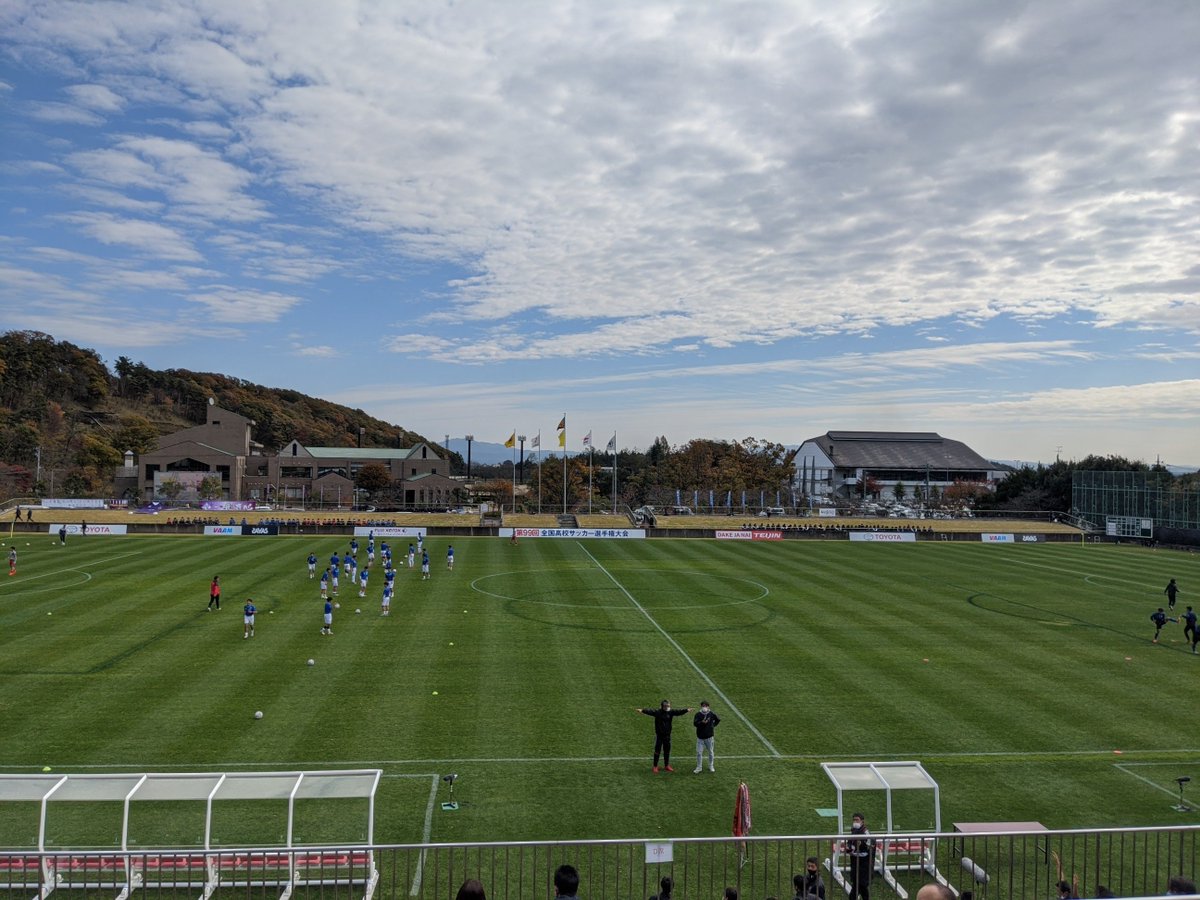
<point x="221" y="460"/>
<point x="838" y="464"/>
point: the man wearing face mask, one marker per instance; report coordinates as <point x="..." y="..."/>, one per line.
<point x="809" y="886"/>
<point x="705" y="721"/>
<point x="861" y="850"/>
<point x="663" y="718"/>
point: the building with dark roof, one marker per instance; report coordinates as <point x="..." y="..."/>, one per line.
<point x="837" y="464"/>
<point x="222" y="455"/>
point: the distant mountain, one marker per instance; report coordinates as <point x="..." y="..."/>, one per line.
<point x="485" y="453"/>
<point x="1018" y="463"/>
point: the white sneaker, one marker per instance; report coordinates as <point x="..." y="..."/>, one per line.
<point x="712" y="768"/>
<point x="696" y="771"/>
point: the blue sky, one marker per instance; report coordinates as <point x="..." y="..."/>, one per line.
<point x="722" y="220"/>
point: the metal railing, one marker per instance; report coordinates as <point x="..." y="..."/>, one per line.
<point x="1134" y="862"/>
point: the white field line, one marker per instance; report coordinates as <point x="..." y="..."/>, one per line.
<point x="15" y="586"/>
<point x="315" y="765"/>
<point x="691" y="662"/>
<point x="426" y="836"/>
<point x="1069" y="573"/>
<point x="1142" y="778"/>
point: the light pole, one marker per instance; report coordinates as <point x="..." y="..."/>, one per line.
<point x="470" y="438"/>
<point x="521" y="469"/>
<point x="361" y="431"/>
<point x="37" y="478"/>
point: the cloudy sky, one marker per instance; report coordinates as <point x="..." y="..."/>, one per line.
<point x="693" y="219"/>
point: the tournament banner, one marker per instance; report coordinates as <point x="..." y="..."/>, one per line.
<point x="573" y="532"/>
<point x="228" y="505"/>
<point x="49" y="503"/>
<point x="749" y="534"/>
<point x="390" y="531"/>
<point x="892" y="537"/>
<point x="76" y="528"/>
<point x="996" y="538"/>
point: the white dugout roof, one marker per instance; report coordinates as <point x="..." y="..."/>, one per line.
<point x="206" y="787"/>
<point x="882" y="776"/>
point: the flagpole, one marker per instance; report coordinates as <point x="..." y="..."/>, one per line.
<point x="539" y="471"/>
<point x="590" y="459"/>
<point x="562" y="443"/>
<point x="614" y="464"/>
<point x="513" y="459"/>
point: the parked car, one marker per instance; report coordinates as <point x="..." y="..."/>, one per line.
<point x="773" y="511"/>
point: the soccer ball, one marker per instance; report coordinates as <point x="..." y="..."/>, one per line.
<point x="258" y="714"/>
<point x="312" y="662"/>
<point x="357" y="611"/>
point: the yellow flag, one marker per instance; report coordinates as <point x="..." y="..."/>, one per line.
<point x="512" y="441"/>
<point x="562" y="439"/>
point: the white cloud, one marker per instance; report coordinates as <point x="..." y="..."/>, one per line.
<point x="149" y="238"/>
<point x="63" y="113"/>
<point x="232" y="304"/>
<point x="96" y="97"/>
<point x="322" y="351"/>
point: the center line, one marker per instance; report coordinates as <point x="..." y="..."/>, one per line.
<point x="691" y="662"/>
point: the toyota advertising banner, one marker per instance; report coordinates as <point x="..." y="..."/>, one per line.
<point x="892" y="537"/>
<point x="76" y="528"/>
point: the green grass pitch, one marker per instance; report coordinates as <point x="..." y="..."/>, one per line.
<point x="1014" y="673"/>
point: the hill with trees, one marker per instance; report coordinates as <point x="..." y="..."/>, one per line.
<point x="66" y="417"/>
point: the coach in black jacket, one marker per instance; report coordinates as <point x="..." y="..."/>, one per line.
<point x="663" y="717"/>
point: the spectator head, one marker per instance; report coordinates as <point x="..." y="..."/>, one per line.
<point x="666" y="884"/>
<point x="472" y="889"/>
<point x="731" y="893"/>
<point x="1180" y="885"/>
<point x="935" y="891"/>
<point x="1064" y="888"/>
<point x="666" y="704"/>
<point x="566" y="881"/>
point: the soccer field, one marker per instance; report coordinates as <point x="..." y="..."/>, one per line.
<point x="1022" y="676"/>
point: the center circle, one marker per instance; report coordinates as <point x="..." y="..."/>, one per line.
<point x="702" y="590"/>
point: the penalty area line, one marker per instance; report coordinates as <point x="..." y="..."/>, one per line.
<point x="691" y="662"/>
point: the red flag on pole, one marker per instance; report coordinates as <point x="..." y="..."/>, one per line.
<point x="741" y="811"/>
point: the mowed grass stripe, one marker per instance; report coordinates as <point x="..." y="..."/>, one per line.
<point x="1027" y="660"/>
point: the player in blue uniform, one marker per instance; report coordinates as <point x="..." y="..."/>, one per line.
<point x="1160" y="618"/>
<point x="335" y="562"/>
<point x="327" y="627"/>
<point x="412" y="556"/>
<point x="248" y="612"/>
<point x="352" y="568"/>
<point x="420" y="543"/>
<point x="425" y="565"/>
<point x="450" y="557"/>
<point x="362" y="581"/>
<point x="1189" y="627"/>
<point x="312" y="566"/>
<point x="389" y="578"/>
<point x="371" y="547"/>
<point x="354" y="547"/>
<point x="386" y="608"/>
<point x="324" y="584"/>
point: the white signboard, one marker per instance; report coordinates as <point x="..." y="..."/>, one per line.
<point x="892" y="537"/>
<point x="389" y="531"/>
<point x="659" y="852"/>
<point x="76" y="528"/>
<point x="996" y="538"/>
<point x="618" y="533"/>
